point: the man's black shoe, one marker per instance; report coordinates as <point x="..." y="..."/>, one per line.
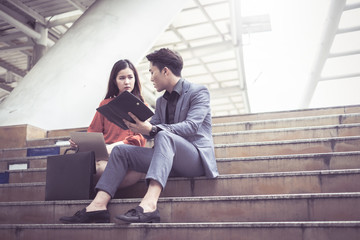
<point x="137" y="215"/>
<point x="88" y="217"/>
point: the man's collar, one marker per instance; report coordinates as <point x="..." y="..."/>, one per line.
<point x="177" y="88"/>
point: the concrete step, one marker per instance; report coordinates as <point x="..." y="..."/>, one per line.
<point x="326" y="181"/>
<point x="349" y="127"/>
<point x="287" y="134"/>
<point x="48" y="141"/>
<point x="31" y="162"/>
<point x="12" y="152"/>
<point x="59" y="133"/>
<point x="327" y="230"/>
<point x="231" y="151"/>
<point x="302" y="146"/>
<point x="17" y="135"/>
<point x="22" y="152"/>
<point x="219" y="128"/>
<point x="329" y="122"/>
<point x="288" y="114"/>
<point x="287" y="163"/>
<point x="311" y="121"/>
<point x="61" y="141"/>
<point x="324" y="126"/>
<point x="259" y="208"/>
<point x="28" y="175"/>
<point x="340" y="115"/>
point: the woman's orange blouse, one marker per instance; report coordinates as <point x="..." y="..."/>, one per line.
<point x="113" y="133"/>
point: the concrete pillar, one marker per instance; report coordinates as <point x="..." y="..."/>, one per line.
<point x="66" y="85"/>
<point x="40" y="46"/>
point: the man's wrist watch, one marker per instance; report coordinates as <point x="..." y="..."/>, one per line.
<point x="153" y="131"/>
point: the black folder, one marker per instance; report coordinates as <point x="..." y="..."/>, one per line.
<point x="117" y="110"/>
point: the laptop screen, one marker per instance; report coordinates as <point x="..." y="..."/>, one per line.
<point x="91" y="141"/>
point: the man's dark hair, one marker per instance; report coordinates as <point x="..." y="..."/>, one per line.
<point x="165" y="57"/>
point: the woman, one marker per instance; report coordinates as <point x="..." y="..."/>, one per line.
<point x="123" y="77"/>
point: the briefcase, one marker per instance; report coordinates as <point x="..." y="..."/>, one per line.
<point x="70" y="176"/>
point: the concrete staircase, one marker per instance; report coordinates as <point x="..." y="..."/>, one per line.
<point x="284" y="175"/>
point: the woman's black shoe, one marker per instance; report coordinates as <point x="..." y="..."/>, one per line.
<point x="137" y="215"/>
<point x="88" y="217"/>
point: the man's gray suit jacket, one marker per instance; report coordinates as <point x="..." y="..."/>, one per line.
<point x="192" y="121"/>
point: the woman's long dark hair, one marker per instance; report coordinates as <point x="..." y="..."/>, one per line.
<point x="113" y="89"/>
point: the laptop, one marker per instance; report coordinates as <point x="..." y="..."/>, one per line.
<point x="91" y="141"/>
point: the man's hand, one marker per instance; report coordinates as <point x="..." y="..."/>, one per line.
<point x="139" y="126"/>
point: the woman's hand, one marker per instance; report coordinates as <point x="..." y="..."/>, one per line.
<point x="73" y="144"/>
<point x="139" y="126"/>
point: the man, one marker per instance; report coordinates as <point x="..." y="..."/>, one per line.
<point x="183" y="144"/>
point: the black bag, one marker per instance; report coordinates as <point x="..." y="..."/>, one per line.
<point x="70" y="176"/>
